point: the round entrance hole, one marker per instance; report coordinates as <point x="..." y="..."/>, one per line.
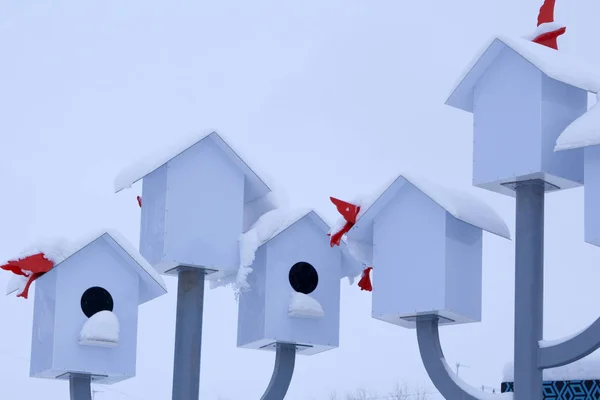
<point x="303" y="277"/>
<point x="96" y="299"/>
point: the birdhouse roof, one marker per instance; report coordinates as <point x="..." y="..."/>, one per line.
<point x="275" y="222"/>
<point x="583" y="132"/>
<point x="152" y="285"/>
<point x="126" y="178"/>
<point x="460" y="204"/>
<point x="552" y="63"/>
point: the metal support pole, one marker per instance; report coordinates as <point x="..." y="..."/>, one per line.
<point x="443" y="378"/>
<point x="529" y="289"/>
<point x="285" y="358"/>
<point x="80" y="387"/>
<point x="188" y="334"/>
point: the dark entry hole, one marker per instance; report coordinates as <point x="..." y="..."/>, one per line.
<point x="96" y="299"/>
<point x="303" y="277"/>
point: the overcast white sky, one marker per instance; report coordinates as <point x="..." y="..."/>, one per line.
<point x="328" y="97"/>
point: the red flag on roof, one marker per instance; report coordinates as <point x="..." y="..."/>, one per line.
<point x="546" y="16"/>
<point x="32" y="266"/>
<point x="349" y="212"/>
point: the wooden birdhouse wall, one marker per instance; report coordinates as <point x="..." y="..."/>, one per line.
<point x="426" y="262"/>
<point x="95" y="266"/>
<point x="302" y="242"/>
<point x="201" y="196"/>
<point x="592" y="195"/>
<point x="518" y="115"/>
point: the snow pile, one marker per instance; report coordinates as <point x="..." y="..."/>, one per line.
<point x="553" y="63"/>
<point x="584" y="369"/>
<point x="304" y="306"/>
<point x="544" y="28"/>
<point x="101" y="330"/>
<point x="264" y="229"/>
<point x="584" y="131"/>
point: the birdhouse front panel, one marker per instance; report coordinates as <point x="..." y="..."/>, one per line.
<point x="96" y="314"/>
<point x="303" y="268"/>
<point x="203" y="210"/>
<point x="425" y="262"/>
<point x="518" y="113"/>
<point x="591" y="195"/>
<point x="295" y="292"/>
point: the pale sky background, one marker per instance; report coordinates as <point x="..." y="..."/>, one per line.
<point x="328" y="97"/>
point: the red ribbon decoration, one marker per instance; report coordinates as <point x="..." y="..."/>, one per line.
<point x="37" y="264"/>
<point x="546" y="15"/>
<point x="350" y="213"/>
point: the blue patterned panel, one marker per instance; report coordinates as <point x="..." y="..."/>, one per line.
<point x="564" y="390"/>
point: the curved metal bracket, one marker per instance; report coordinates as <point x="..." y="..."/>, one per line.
<point x="444" y="379"/>
<point x="285" y="359"/>
<point x="80" y="387"/>
<point x="571" y="348"/>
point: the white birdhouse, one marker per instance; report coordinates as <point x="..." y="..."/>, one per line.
<point x="522" y="96"/>
<point x="197" y="197"/>
<point x="85" y="315"/>
<point x="293" y="287"/>
<point x="584" y="134"/>
<point x="424" y="242"/>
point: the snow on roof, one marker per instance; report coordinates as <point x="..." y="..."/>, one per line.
<point x="59" y="249"/>
<point x="553" y="63"/>
<point x="583" y="132"/>
<point x="584" y="369"/>
<point x="266" y="228"/>
<point x="138" y="170"/>
<point x="460" y="204"/>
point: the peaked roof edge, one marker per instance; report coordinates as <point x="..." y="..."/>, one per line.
<point x="550" y="62"/>
<point x="147" y="165"/>
<point x="461" y="205"/>
<point x="316" y="218"/>
<point x="128" y="250"/>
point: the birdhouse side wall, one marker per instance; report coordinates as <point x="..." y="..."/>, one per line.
<point x="42" y="338"/>
<point x="561" y="105"/>
<point x="464" y="247"/>
<point x="304" y="242"/>
<point x="592" y="195"/>
<point x="507" y="122"/>
<point x="408" y="257"/>
<point x="152" y="231"/>
<point x="251" y="305"/>
<point x="204" y="208"/>
<point x="97" y="265"/>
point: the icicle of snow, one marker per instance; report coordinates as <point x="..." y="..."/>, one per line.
<point x="304" y="306"/>
<point x="102" y="330"/>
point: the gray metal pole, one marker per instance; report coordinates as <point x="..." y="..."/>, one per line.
<point x="80" y="387"/>
<point x="188" y="334"/>
<point x="529" y="289"/>
<point x="285" y="359"/>
<point x="428" y="338"/>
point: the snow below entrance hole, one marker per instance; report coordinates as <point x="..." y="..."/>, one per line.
<point x="304" y="306"/>
<point x="101" y="330"/>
